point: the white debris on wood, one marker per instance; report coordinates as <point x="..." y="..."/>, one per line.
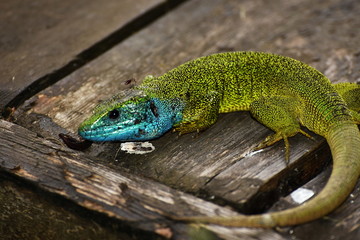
<point x="301" y="195"/>
<point x="137" y="147"/>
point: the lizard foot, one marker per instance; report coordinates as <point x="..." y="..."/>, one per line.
<point x="270" y="140"/>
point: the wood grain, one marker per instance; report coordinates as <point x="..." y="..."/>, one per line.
<point x="40" y="42"/>
<point x="218" y="163"/>
<point x="140" y="202"/>
<point x="219" y="152"/>
<point x="343" y="223"/>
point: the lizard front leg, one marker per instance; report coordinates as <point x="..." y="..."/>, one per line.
<point x="199" y="115"/>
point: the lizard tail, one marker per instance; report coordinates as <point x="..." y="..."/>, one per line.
<point x="344" y="141"/>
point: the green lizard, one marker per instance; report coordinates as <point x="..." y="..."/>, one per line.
<point x="280" y="92"/>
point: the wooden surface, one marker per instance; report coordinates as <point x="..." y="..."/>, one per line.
<point x="140" y="202"/>
<point x="45" y="40"/>
<point x="216" y="165"/>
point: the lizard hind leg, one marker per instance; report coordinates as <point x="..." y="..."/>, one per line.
<point x="350" y="92"/>
<point x="279" y="114"/>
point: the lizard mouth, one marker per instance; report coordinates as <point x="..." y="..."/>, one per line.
<point x="130" y="132"/>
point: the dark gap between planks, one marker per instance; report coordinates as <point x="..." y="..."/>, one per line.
<point x="281" y="185"/>
<point x="133" y="26"/>
<point x="295" y="176"/>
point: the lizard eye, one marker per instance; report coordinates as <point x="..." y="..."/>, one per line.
<point x="114" y="114"/>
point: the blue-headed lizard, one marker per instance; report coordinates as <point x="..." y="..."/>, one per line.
<point x="280" y="92"/>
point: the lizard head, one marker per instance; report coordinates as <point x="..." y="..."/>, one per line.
<point x="131" y="116"/>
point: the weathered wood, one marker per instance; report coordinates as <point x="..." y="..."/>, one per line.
<point x="27" y="214"/>
<point x="216" y="161"/>
<point x="38" y="39"/>
<point x="343" y="223"/>
<point x="185" y="159"/>
<point x="140" y="202"/>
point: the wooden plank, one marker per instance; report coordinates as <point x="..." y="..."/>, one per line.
<point x="140" y="202"/>
<point x="343" y="223"/>
<point x="42" y="41"/>
<point x="219" y="156"/>
<point x="106" y="76"/>
<point x="28" y="213"/>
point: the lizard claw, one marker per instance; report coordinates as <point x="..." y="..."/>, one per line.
<point x="270" y="140"/>
<point x="306" y="134"/>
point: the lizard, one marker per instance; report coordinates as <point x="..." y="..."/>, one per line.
<point x="280" y="92"/>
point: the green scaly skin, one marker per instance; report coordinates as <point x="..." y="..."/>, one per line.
<point x="280" y="92"/>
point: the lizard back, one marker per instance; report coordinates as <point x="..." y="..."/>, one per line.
<point x="241" y="78"/>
